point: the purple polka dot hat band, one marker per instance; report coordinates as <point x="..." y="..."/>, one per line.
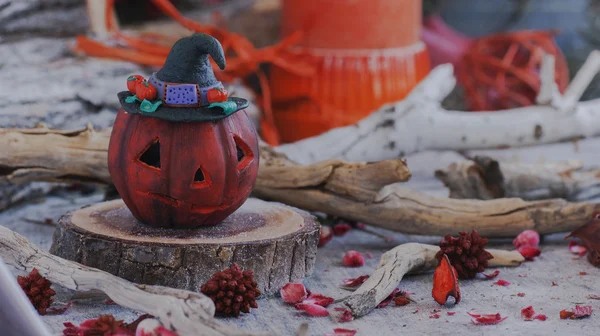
<point x="179" y="94"/>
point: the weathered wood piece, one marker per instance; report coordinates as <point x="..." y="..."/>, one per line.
<point x="277" y="242"/>
<point x="364" y="192"/>
<point x="419" y="123"/>
<point x="485" y="178"/>
<point x="191" y="313"/>
<point x="404" y="259"/>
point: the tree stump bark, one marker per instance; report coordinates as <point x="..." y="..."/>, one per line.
<point x="277" y="242"/>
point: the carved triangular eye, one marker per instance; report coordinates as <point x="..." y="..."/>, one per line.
<point x="151" y="155"/>
<point x="240" y="153"/>
<point x="244" y="153"/>
<point x="199" y="176"/>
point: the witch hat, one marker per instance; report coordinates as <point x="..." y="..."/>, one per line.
<point x="185" y="85"/>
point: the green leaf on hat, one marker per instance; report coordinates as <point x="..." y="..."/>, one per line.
<point x="148" y="106"/>
<point x="228" y="107"/>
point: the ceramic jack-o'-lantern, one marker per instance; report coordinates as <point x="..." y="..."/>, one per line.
<point x="182" y="153"/>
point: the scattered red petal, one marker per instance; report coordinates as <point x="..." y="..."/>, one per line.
<point x="487" y="319"/>
<point x="369" y="255"/>
<point x="388" y="299"/>
<point x="540" y="317"/>
<point x="577" y="248"/>
<point x="312" y="309"/>
<point x="401" y="300"/>
<point x="491" y="275"/>
<point x="445" y="282"/>
<point x="450" y="313"/>
<point x="346" y="315"/>
<point x="520" y="294"/>
<point x="416" y="311"/>
<point x="353" y="259"/>
<point x="582" y="273"/>
<point x="529" y="252"/>
<point x="61" y="310"/>
<point x="325" y="235"/>
<point x="527" y="313"/>
<point x="554" y="283"/>
<point x="318" y="299"/>
<point x="293" y="292"/>
<point x="527" y="238"/>
<point x="109" y="302"/>
<point x="593" y="297"/>
<point x="342" y="332"/>
<point x="352" y="283"/>
<point x="434" y="316"/>
<point x="436" y="311"/>
<point x="341" y="229"/>
<point x="502" y="283"/>
<point x="565" y="314"/>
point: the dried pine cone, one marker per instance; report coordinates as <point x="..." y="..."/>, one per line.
<point x="466" y="253"/>
<point x="38" y="290"/>
<point x="232" y="291"/>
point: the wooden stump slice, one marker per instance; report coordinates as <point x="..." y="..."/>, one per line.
<point x="277" y="242"/>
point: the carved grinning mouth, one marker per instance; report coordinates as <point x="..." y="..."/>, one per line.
<point x="166" y="199"/>
<point x="195" y="208"/>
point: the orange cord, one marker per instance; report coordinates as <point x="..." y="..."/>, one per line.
<point x="150" y="49"/>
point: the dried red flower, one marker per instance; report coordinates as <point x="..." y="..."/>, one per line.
<point x="345" y="315"/>
<point x="232" y="290"/>
<point x="487" y="319"/>
<point x="527" y="238"/>
<point x="312" y="309"/>
<point x="527" y="313"/>
<point x="577" y="248"/>
<point x="589" y="234"/>
<point x="318" y="299"/>
<point x="529" y="252"/>
<point x="341" y="229"/>
<point x="388" y="299"/>
<point x="502" y="283"/>
<point x="520" y="294"/>
<point x="38" y="291"/>
<point x="492" y="275"/>
<point x="353" y="283"/>
<point x="540" y="317"/>
<point x="325" y="235"/>
<point x="466" y="253"/>
<point x="577" y="313"/>
<point x="104" y="325"/>
<point x="353" y="259"/>
<point x="342" y="332"/>
<point x="445" y="282"/>
<point x="293" y="292"/>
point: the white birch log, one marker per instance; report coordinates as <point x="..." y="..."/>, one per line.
<point x="419" y="123"/>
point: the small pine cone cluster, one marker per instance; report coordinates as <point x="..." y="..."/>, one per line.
<point x="232" y="290"/>
<point x="466" y="253"/>
<point x="38" y="290"/>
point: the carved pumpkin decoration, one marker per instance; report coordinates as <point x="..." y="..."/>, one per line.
<point x="188" y="163"/>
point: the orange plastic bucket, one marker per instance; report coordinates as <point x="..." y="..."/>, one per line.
<point x="367" y="53"/>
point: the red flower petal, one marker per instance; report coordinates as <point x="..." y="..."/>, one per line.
<point x="502" y="283"/>
<point x="540" y="317"/>
<point x="582" y="311"/>
<point x="565" y="314"/>
<point x="342" y="332"/>
<point x="491" y="275"/>
<point x="388" y="299"/>
<point x="486" y="318"/>
<point x="450" y="313"/>
<point x="529" y="252"/>
<point x="325" y="235"/>
<point x="293" y="292"/>
<point x="577" y="248"/>
<point x="445" y="282"/>
<point x="353" y="259"/>
<point x="401" y="300"/>
<point x="341" y="229"/>
<point x="346" y="315"/>
<point x="318" y="299"/>
<point x="312" y="309"/>
<point x="520" y="294"/>
<point x="527" y="237"/>
<point x="527" y="313"/>
<point x="61" y="310"/>
<point x="352" y="283"/>
<point x="434" y="316"/>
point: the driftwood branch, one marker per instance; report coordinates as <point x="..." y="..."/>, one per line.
<point x="401" y="260"/>
<point x="189" y="313"/>
<point x="420" y="123"/>
<point x="485" y="178"/>
<point x="364" y="192"/>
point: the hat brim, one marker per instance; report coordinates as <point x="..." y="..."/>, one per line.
<point x="181" y="114"/>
